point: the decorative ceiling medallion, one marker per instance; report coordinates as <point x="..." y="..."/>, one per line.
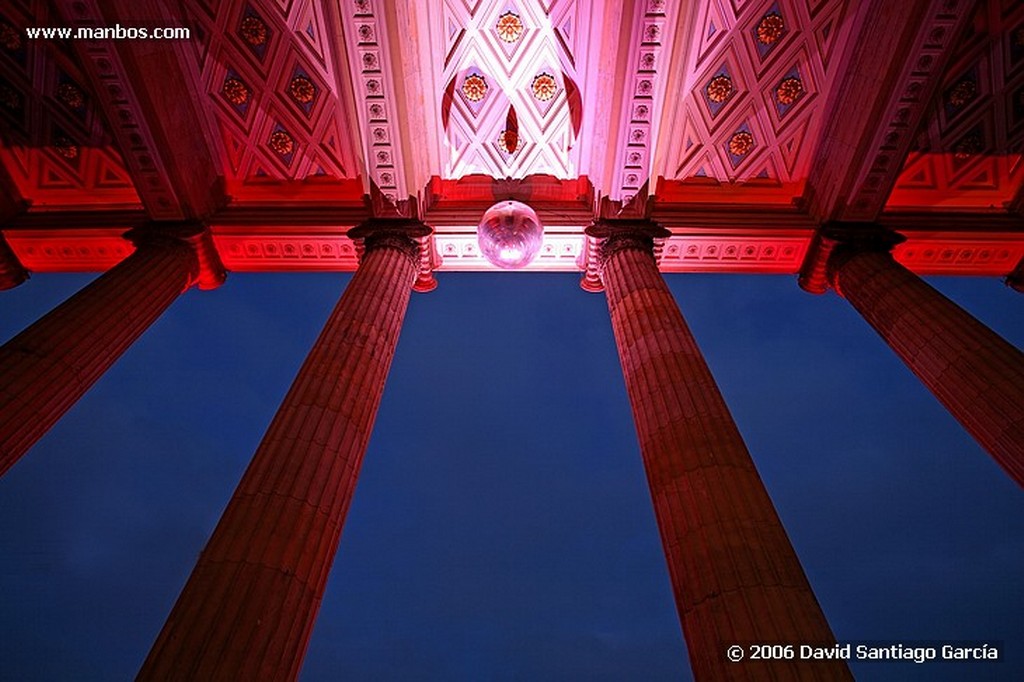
<point x="741" y="143"/>
<point x="963" y="92"/>
<point x="720" y="89"/>
<point x="10" y="37"/>
<point x="544" y="87"/>
<point x="509" y="27"/>
<point x="968" y="146"/>
<point x="235" y="91"/>
<point x="302" y="89"/>
<point x="509" y="141"/>
<point x="789" y="90"/>
<point x="474" y="87"/>
<point x="66" y="147"/>
<point x="281" y="142"/>
<point x="770" y="28"/>
<point x="254" y="31"/>
<point x="9" y="98"/>
<point x="71" y="95"/>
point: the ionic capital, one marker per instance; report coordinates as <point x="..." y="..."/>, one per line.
<point x="609" y="236"/>
<point x="834" y="244"/>
<point x="405" y="235"/>
<point x="193" y="235"/>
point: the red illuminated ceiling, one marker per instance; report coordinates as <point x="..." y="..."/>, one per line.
<point x="57" y="147"/>
<point x="744" y="124"/>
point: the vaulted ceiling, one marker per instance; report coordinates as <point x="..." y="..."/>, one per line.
<point x="741" y="125"/>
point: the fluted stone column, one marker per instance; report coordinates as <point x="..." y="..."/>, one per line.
<point x="11" y="271"/>
<point x="975" y="373"/>
<point x="735" y="575"/>
<point x="249" y="606"/>
<point x="46" y="368"/>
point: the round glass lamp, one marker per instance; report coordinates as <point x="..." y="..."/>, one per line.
<point x="510" y="234"/>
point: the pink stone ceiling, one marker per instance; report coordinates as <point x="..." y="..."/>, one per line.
<point x="521" y="111"/>
<point x="270" y="70"/>
<point x="750" y="106"/>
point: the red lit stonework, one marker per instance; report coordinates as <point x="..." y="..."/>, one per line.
<point x="975" y="373"/>
<point x="248" y="609"/>
<point x="45" y="369"/>
<point x="274" y="127"/>
<point x="735" y="575"/>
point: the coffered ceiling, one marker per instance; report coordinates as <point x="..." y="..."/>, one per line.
<point x="741" y="125"/>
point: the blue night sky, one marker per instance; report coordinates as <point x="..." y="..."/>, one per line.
<point x="502" y="529"/>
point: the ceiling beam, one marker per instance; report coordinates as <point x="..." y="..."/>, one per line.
<point x="151" y="96"/>
<point x="892" y="71"/>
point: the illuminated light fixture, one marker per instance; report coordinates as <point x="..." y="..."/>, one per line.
<point x="544" y="87"/>
<point x="510" y="235"/>
<point x="474" y="87"/>
<point x="509" y="27"/>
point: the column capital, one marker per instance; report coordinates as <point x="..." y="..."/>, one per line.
<point x="12" y="272"/>
<point x="609" y="236"/>
<point x="834" y="244"/>
<point x="407" y="235"/>
<point x="1015" y="280"/>
<point x="210" y="272"/>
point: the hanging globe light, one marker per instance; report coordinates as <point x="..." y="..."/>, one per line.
<point x="510" y="235"/>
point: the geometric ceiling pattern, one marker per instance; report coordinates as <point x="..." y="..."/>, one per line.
<point x="511" y="104"/>
<point x="968" y="151"/>
<point x="308" y="116"/>
<point x="270" y="71"/>
<point x="751" y="103"/>
<point x="55" y="143"/>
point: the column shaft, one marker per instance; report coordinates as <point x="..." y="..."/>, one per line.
<point x="973" y="371"/>
<point x="46" y="368"/>
<point x="248" y="609"/>
<point x="734" y="572"/>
